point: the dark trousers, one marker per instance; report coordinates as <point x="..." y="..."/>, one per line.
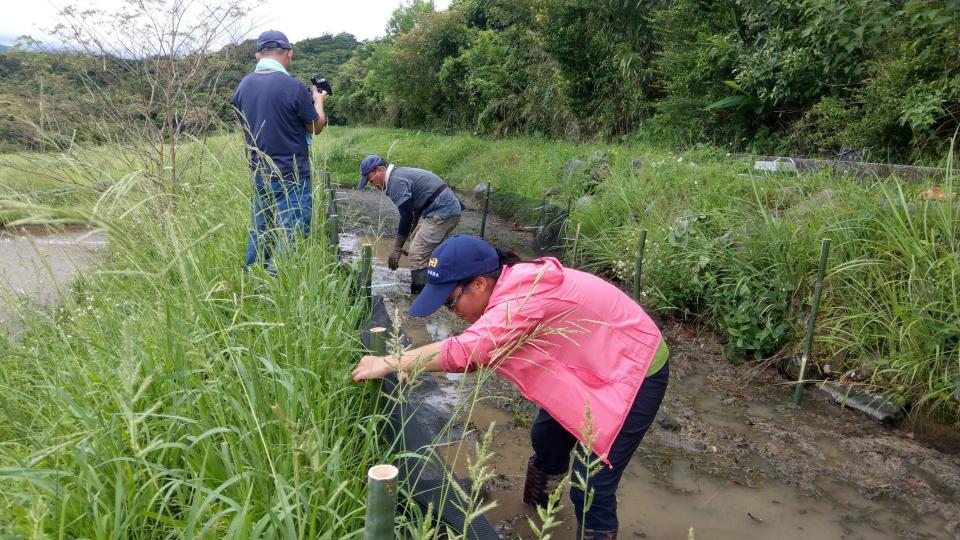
<point x="281" y="214"/>
<point x="552" y="445"/>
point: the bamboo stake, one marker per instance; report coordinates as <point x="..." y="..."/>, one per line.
<point x="541" y="225"/>
<point x="366" y="272"/>
<point x="639" y="267"/>
<point x="812" y="323"/>
<point x="381" y="502"/>
<point x="486" y="207"/>
<point x="576" y="240"/>
<point x="333" y="227"/>
<point x="378" y="347"/>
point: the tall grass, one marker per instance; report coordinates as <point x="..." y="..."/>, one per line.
<point x="174" y="395"/>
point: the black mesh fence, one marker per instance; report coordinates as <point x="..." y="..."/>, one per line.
<point x="414" y="428"/>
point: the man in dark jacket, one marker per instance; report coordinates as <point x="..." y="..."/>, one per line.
<point x="278" y="114"/>
<point x="425" y="203"/>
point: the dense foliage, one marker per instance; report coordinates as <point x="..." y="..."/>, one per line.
<point x="873" y="79"/>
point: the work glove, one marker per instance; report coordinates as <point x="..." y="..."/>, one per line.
<point x="393" y="261"/>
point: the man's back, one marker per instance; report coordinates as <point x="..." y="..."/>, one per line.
<point x="410" y="183"/>
<point x="274" y="109"/>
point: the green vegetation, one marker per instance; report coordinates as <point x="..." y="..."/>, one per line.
<point x="739" y="247"/>
<point x="52" y="100"/>
<point x="868" y="79"/>
<point x="172" y="394"/>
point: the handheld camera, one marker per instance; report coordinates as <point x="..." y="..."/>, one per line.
<point x="322" y="85"/>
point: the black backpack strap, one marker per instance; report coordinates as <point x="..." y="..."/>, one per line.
<point x="430" y="199"/>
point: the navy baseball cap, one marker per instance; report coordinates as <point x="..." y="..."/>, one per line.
<point x="458" y="258"/>
<point x="368" y="164"/>
<point x="272" y="39"/>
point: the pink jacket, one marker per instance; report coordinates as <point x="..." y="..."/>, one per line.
<point x="567" y="339"/>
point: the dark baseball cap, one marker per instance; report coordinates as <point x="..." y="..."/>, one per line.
<point x="458" y="258"/>
<point x="368" y="164"/>
<point x="273" y="39"/>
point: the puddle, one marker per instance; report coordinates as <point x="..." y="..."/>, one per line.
<point x="729" y="456"/>
<point x="38" y="263"/>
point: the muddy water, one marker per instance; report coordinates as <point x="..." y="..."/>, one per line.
<point x="37" y="264"/>
<point x="729" y="456"/>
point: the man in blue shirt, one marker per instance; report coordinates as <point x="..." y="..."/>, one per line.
<point x="421" y="197"/>
<point x="278" y="114"/>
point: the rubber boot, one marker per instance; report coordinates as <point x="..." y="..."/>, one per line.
<point x="539" y="485"/>
<point x="589" y="534"/>
<point x="418" y="280"/>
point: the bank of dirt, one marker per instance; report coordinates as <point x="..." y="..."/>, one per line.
<point x="729" y="456"/>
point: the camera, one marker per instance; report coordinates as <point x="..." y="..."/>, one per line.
<point x="322" y="85"/>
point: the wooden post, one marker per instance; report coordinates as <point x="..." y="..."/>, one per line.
<point x="486" y="208"/>
<point x="326" y="179"/>
<point x="812" y="323"/>
<point x="381" y="502"/>
<point x="639" y="268"/>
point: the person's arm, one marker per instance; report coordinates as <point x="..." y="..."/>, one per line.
<point x="318" y="99"/>
<point x="378" y="367"/>
<point x="403" y="231"/>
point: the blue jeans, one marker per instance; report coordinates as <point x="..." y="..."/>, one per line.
<point x="552" y="445"/>
<point x="281" y="215"/>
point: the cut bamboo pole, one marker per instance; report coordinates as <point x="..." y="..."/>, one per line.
<point x="576" y="240"/>
<point x="366" y="272"/>
<point x="333" y="226"/>
<point x="381" y="502"/>
<point x="486" y="208"/>
<point x="541" y="225"/>
<point x="812" y="323"/>
<point x="378" y="347"/>
<point x="638" y="270"/>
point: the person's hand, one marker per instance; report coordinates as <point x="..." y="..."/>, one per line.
<point x="372" y="367"/>
<point x="393" y="261"/>
<point x="318" y="94"/>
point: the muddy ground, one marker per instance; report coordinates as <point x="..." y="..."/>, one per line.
<point x="729" y="457"/>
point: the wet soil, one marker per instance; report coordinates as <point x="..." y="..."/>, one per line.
<point x="729" y="456"/>
<point x="38" y="263"/>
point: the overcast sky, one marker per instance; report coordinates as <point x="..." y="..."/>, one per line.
<point x="299" y="19"/>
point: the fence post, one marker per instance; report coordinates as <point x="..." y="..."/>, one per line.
<point x="326" y="179"/>
<point x="812" y="323"/>
<point x="381" y="502"/>
<point x="576" y="240"/>
<point x="366" y="273"/>
<point x="333" y="226"/>
<point x="639" y="268"/>
<point x="541" y="225"/>
<point x="486" y="207"/>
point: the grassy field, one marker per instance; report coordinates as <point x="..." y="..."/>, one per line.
<point x="175" y="395"/>
<point x="739" y="247"/>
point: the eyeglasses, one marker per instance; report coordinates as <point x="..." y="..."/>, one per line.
<point x="453" y="303"/>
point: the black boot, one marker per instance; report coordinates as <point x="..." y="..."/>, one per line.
<point x="589" y="534"/>
<point x="418" y="280"/>
<point x="539" y="485"/>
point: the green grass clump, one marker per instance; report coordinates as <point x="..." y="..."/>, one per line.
<point x="172" y="394"/>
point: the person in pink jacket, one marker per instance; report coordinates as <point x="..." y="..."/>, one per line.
<point x="577" y="346"/>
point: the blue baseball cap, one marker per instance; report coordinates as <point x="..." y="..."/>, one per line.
<point x="272" y="39"/>
<point x="458" y="258"/>
<point x="367" y="166"/>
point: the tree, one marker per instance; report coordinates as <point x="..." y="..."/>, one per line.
<point x="155" y="81"/>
